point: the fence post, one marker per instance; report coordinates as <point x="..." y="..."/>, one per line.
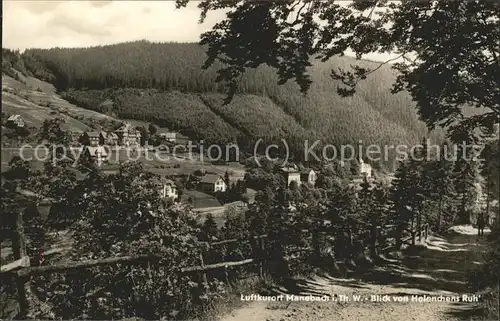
<point x="413" y="231"/>
<point x="226" y="276"/>
<point x="426" y="231"/>
<point x="19" y="252"/>
<point x="261" y="264"/>
<point x="350" y="245"/>
<point x="202" y="263"/>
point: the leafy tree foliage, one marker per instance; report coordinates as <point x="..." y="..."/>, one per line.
<point x="441" y="81"/>
<point x="12" y="63"/>
<point x="51" y="132"/>
<point x="209" y="231"/>
<point x="19" y="170"/>
<point x="490" y="168"/>
<point x="440" y="190"/>
<point x="449" y="53"/>
<point x="466" y="182"/>
<point x="373" y="209"/>
<point x="408" y="195"/>
<point x="152" y="129"/>
<point x="124" y="215"/>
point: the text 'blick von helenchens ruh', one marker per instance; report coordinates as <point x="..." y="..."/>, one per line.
<point x="362" y="298"/>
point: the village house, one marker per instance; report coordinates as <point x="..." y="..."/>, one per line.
<point x="365" y="169"/>
<point x="167" y="188"/>
<point x="134" y="138"/>
<point x="91" y="139"/>
<point x="99" y="153"/>
<point x="171" y="190"/>
<point x="291" y="174"/>
<point x="169" y="136"/>
<point x="106" y="107"/>
<point x="75" y="136"/>
<point x="109" y="138"/>
<point x="15" y="121"/>
<point x="308" y="176"/>
<point x="212" y="183"/>
<point x="122" y="134"/>
<point x="127" y="136"/>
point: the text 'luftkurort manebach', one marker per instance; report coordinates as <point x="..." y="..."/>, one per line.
<point x="361" y="298"/>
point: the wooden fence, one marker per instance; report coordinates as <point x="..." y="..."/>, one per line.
<point x="22" y="271"/>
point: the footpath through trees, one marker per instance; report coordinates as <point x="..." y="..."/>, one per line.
<point x="436" y="270"/>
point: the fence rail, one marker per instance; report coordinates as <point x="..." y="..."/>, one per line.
<point x="22" y="272"/>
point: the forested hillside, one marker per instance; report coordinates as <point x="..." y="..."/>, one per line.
<point x="165" y="83"/>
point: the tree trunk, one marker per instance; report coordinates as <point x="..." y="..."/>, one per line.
<point x="19" y="252"/>
<point x="419" y="226"/>
<point x="373" y="238"/>
<point x="440" y="208"/>
<point x="498" y="209"/>
<point x="487" y="216"/>
<point x="399" y="234"/>
<point x="412" y="229"/>
<point x="349" y="244"/>
<point x="464" y="216"/>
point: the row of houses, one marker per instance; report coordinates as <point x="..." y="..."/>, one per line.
<point x="293" y="174"/>
<point x="124" y="136"/>
<point x="212" y="183"/>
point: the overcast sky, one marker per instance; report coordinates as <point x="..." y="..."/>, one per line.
<point x="46" y="24"/>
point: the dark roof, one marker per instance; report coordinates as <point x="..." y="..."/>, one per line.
<point x="107" y="135"/>
<point x="168" y="134"/>
<point x="161" y="130"/>
<point x="306" y="171"/>
<point x="93" y="150"/>
<point x="92" y="134"/>
<point x="210" y="178"/>
<point x="126" y="127"/>
<point x="163" y="181"/>
<point x="14" y="117"/>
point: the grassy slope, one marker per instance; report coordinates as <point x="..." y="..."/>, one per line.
<point x="35" y="106"/>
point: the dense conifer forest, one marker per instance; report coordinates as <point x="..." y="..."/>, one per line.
<point x="165" y="83"/>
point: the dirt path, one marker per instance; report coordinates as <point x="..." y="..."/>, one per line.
<point x="437" y="269"/>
